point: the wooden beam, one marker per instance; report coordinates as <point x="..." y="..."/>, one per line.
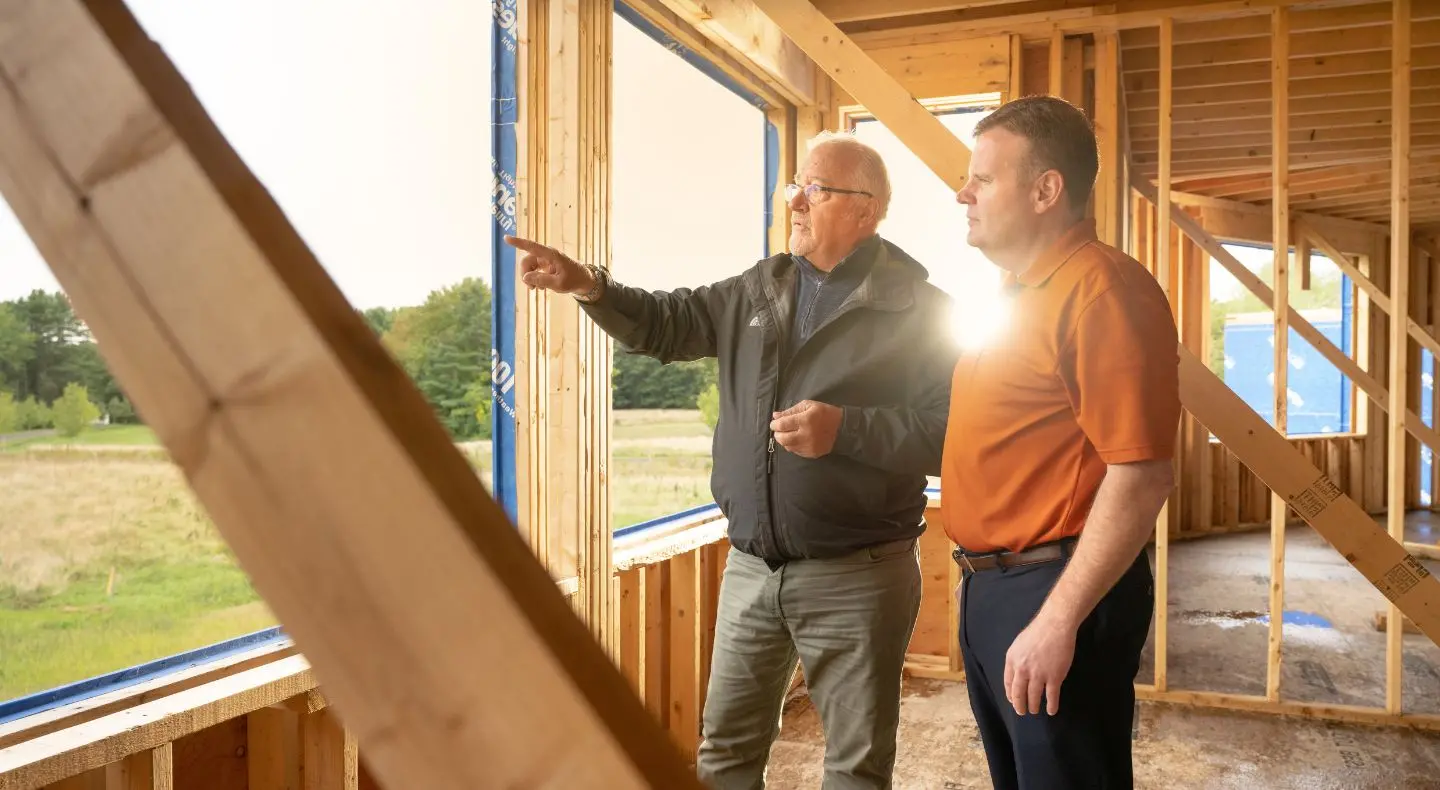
<point x="738" y="28"/>
<point x="686" y="34"/>
<point x="1162" y="273"/>
<point x="1220" y="123"/>
<point x="1337" y="88"/>
<point x="1360" y="19"/>
<point x="66" y="716"/>
<point x="859" y="10"/>
<point x="1311" y="45"/>
<point x="1280" y="250"/>
<point x="1345" y="714"/>
<point x="299" y="434"/>
<point x="1221" y="109"/>
<point x="1347" y="527"/>
<point x="1399" y="347"/>
<point x="99" y="742"/>
<point x="1233" y="74"/>
<point x="1038" y="18"/>
<point x="857" y="73"/>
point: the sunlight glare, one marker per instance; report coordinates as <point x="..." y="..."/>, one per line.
<point x="979" y="319"/>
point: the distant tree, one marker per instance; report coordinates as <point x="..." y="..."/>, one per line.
<point x="640" y="382"/>
<point x="17" y="347"/>
<point x="9" y="414"/>
<point x="380" y="319"/>
<point x="35" y="415"/>
<point x="709" y="405"/>
<point x="73" y="411"/>
<point x="120" y="411"/>
<point x="444" y="345"/>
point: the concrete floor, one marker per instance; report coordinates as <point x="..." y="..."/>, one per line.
<point x="1218" y="632"/>
<point x="1175" y="749"/>
<point x="1332" y="653"/>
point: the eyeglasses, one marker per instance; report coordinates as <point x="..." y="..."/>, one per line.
<point x="815" y="193"/>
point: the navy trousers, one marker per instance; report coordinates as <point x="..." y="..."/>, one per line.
<point x="1087" y="744"/>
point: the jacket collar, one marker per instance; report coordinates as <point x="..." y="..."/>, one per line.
<point x="888" y="285"/>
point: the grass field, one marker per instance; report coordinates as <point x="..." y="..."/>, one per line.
<point x="107" y="560"/>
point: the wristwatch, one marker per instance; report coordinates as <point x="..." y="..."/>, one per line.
<point x="590" y="296"/>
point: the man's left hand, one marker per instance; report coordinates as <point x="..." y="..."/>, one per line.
<point x="1036" y="664"/>
<point x="807" y="429"/>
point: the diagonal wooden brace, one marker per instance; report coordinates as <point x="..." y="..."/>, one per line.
<point x="431" y="625"/>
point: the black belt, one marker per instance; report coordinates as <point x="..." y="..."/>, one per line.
<point x="1045" y="552"/>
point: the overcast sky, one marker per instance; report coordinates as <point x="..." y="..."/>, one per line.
<point x="368" y="122"/>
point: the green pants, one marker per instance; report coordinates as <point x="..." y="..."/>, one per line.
<point x="849" y="621"/>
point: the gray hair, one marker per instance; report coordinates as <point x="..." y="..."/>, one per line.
<point x="874" y="178"/>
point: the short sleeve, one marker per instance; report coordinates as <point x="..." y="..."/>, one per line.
<point x="1122" y="372"/>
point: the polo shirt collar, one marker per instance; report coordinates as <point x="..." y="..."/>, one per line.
<point x="1050" y="261"/>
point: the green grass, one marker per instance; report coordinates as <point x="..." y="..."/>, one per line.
<point x="70" y="515"/>
<point x="129" y="435"/>
<point x="152" y="612"/>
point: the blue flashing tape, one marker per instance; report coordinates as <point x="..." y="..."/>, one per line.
<point x="664" y="520"/>
<point x="103" y="684"/>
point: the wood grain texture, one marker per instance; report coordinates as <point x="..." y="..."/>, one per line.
<point x="318" y="459"/>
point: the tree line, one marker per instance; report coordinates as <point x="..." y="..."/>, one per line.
<point x="49" y="360"/>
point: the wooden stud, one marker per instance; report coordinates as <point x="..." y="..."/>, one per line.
<point x="1014" y="88"/>
<point x="1399" y="335"/>
<point x="151" y="769"/>
<point x="1162" y="273"/>
<point x="657" y="652"/>
<point x="1280" y="228"/>
<point x="1108" y="192"/>
<point x="329" y="758"/>
<point x="784" y="120"/>
<point x="685" y="664"/>
<point x="297" y="431"/>
<point x="272" y="756"/>
<point x="1055" y="85"/>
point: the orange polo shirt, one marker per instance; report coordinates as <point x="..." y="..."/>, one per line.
<point x="1084" y="374"/>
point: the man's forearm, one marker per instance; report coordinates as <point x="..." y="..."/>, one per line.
<point x="1119" y="524"/>
<point x="894" y="438"/>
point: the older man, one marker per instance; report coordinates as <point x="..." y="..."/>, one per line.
<point x="1057" y="460"/>
<point x="834" y="385"/>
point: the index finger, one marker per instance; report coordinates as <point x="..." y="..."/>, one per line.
<point x="527" y="245"/>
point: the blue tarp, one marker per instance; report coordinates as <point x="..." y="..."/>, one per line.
<point x="1319" y="399"/>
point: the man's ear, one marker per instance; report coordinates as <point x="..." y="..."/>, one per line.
<point x="1049" y="190"/>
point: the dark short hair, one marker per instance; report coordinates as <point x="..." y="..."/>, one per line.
<point x="1060" y="136"/>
